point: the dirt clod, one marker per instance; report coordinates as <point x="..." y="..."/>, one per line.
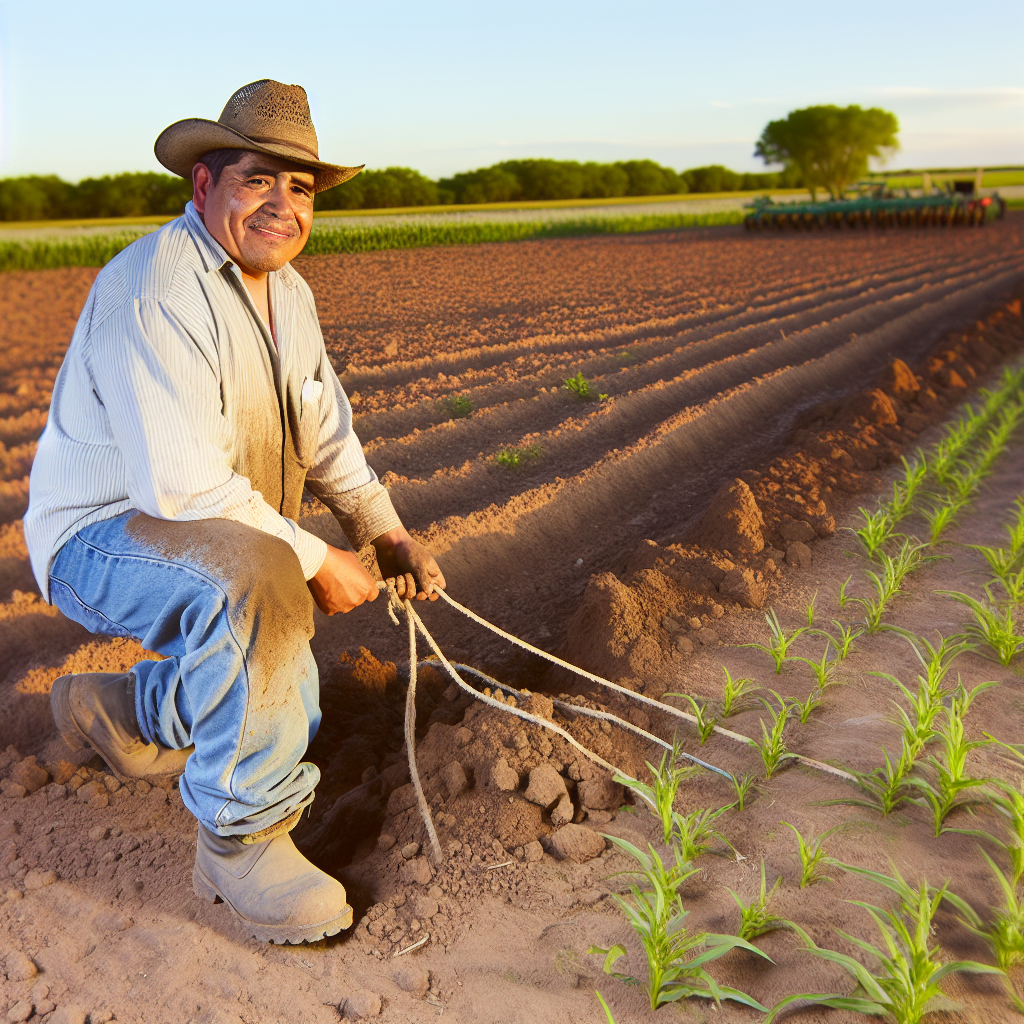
<point x="36" y="879"/>
<point x="798" y="555"/>
<point x="30" y="775"/>
<point x="19" y="966"/>
<point x="533" y="852"/>
<point x="416" y="871"/>
<point x="733" y="521"/>
<point x="600" y="794"/>
<point x="797" y="530"/>
<point x="20" y="1011"/>
<point x="741" y="585"/>
<point x="563" y="812"/>
<point x="546" y="787"/>
<point x="413" y="979"/>
<point x="410" y="850"/>
<point x="576" y="843"/>
<point x="361" y="1004"/>
<point x="453" y="778"/>
<point x="503" y="776"/>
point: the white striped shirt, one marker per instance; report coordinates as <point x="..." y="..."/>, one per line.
<point x="173" y="399"/>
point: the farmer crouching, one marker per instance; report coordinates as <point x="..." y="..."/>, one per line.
<point x="195" y="402"/>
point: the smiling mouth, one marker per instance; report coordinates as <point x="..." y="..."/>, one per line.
<point x="271" y="233"/>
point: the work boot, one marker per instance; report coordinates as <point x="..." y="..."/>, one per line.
<point x="97" y="710"/>
<point x="270" y="887"/>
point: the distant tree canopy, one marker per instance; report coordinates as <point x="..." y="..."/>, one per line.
<point x="149" y="193"/>
<point x="829" y="147"/>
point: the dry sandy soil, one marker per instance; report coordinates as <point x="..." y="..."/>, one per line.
<point x="745" y="378"/>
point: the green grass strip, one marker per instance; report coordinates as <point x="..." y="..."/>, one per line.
<point x="96" y="250"/>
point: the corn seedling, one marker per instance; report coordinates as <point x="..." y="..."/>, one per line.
<point x="755" y="920"/>
<point x="905" y="491"/>
<point x="741" y="786"/>
<point x="883" y="787"/>
<point x="1006" y="932"/>
<point x="993" y="627"/>
<point x="1013" y="586"/>
<point x="842" y="640"/>
<point x="581" y="389"/>
<point x="706" y="722"/>
<point x="515" y="458"/>
<point x="735" y="691"/>
<point x="895" y="569"/>
<point x="810" y="610"/>
<point x="694" y="833"/>
<point x="676" y="957"/>
<point x="773" y="745"/>
<point x="951" y="778"/>
<point x="779" y="642"/>
<point x="811" y="853"/>
<point x="941" y="516"/>
<point x="803" y="708"/>
<point x="661" y="794"/>
<point x="605" y="1007"/>
<point x="823" y="670"/>
<point x="906" y="986"/>
<point x="457" y="406"/>
<point x="876" y="531"/>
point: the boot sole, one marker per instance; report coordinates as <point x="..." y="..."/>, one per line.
<point x="276" y="933"/>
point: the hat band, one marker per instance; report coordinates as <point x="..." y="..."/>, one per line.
<point x="265" y="139"/>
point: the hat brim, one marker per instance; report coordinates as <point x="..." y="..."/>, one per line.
<point x="180" y="146"/>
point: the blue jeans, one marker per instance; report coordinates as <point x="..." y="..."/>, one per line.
<point x="229" y="608"/>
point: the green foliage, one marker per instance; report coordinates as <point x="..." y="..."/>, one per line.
<point x="811" y="853"/>
<point x="755" y="920"/>
<point x="660" y="795"/>
<point x="823" y="669"/>
<point x="706" y="722"/>
<point x="97" y="250"/>
<point x="694" y="833"/>
<point x="741" y="786"/>
<point x="828" y="145"/>
<point x="675" y="956"/>
<point x="735" y="691"/>
<point x="842" y="640"/>
<point x="376" y="190"/>
<point x="141" y="194"/>
<point x="457" y="406"/>
<point x="779" y="641"/>
<point x="581" y="389"/>
<point x="887" y="584"/>
<point x="514" y="458"/>
<point x="993" y="627"/>
<point x="877" y="529"/>
<point x="803" y="708"/>
<point x="1006" y="932"/>
<point x="773" y="745"/>
<point x="906" y="986"/>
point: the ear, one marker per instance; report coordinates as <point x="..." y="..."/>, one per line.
<point x="202" y="184"/>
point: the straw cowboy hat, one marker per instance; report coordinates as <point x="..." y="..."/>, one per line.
<point x="264" y="117"/>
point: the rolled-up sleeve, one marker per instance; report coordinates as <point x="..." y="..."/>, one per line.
<point x="161" y="389"/>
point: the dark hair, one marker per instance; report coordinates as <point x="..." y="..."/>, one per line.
<point x="218" y="159"/>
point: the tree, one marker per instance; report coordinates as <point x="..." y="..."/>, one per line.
<point x="829" y="146"/>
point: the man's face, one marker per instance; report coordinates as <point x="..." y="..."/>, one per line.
<point x="261" y="210"/>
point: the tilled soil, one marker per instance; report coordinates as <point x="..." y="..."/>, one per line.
<point x="752" y="395"/>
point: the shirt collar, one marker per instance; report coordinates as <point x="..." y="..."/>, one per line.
<point x="213" y="254"/>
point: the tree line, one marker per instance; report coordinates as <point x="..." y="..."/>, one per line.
<point x="819" y="147"/>
<point x="147" y="193"/>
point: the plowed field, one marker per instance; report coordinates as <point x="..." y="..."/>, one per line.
<point x="714" y="358"/>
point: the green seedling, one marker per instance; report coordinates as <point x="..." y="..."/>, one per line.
<point x="811" y="853"/>
<point x="581" y="389"/>
<point x="1005" y="934"/>
<point x="935" y="660"/>
<point x="1013" y="586"/>
<point x="661" y="794"/>
<point x="605" y="1007"/>
<point x="906" y="986"/>
<point x="773" y="745"/>
<point x="842" y="640"/>
<point x="457" y="406"/>
<point x="675" y="957"/>
<point x="803" y="708"/>
<point x="941" y="516"/>
<point x="755" y="920"/>
<point x="823" y="670"/>
<point x="895" y="569"/>
<point x="876" y="531"/>
<point x="1008" y="801"/>
<point x="741" y="786"/>
<point x="706" y="722"/>
<point x="905" y="491"/>
<point x="779" y="642"/>
<point x="883" y="787"/>
<point x="735" y="691"/>
<point x="993" y="627"/>
<point x="695" y="834"/>
<point x="515" y="458"/>
<point x="810" y="610"/>
<point x="951" y="778"/>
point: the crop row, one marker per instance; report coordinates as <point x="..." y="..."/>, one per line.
<point x="98" y="250"/>
<point x="931" y="769"/>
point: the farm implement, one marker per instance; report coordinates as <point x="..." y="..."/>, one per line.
<point x="881" y="210"/>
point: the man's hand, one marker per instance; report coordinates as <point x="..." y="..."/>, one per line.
<point x="341" y="583"/>
<point x="409" y="564"/>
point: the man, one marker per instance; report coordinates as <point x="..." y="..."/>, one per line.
<point x="195" y="402"/>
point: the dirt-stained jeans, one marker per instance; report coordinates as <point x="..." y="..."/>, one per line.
<point x="229" y="608"/>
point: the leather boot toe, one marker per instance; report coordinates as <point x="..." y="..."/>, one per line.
<point x="272" y="889"/>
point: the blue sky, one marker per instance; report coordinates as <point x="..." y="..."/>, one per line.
<point x="85" y="87"/>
